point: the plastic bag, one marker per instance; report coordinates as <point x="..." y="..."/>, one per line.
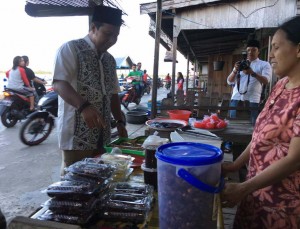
<point x="154" y="140"/>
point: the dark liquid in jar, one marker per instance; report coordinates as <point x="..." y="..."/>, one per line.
<point x="150" y="159"/>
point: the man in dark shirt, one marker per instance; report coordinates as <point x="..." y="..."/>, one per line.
<point x="33" y="79"/>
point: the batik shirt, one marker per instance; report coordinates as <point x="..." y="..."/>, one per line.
<point x="278" y="205"/>
<point x="95" y="79"/>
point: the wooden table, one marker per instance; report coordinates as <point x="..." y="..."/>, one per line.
<point x="238" y="131"/>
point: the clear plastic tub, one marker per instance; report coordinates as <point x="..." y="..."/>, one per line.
<point x="188" y="176"/>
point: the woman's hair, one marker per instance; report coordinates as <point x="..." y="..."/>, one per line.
<point x="180" y="76"/>
<point x="16" y="62"/>
<point x="292" y="29"/>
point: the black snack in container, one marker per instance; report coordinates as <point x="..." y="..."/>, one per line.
<point x="71" y="207"/>
<point x="132" y="188"/>
<point x="92" y="170"/>
<point x="73" y="190"/>
<point x="64" y="218"/>
<point x="78" y="177"/>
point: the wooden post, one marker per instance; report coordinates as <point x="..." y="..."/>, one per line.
<point x="156" y="59"/>
<point x="187" y="72"/>
<point x="174" y="66"/>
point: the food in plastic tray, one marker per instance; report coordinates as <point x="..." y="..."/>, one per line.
<point x="122" y="162"/>
<point x="73" y="190"/>
<point x="128" y="201"/>
<point x="126" y="207"/>
<point x="78" y="177"/>
<point x="132" y="188"/>
<point x="127" y="143"/>
<point x="64" y="218"/>
<point x="93" y="170"/>
<point x="74" y="207"/>
<point x="121" y="175"/>
<point x="124" y="215"/>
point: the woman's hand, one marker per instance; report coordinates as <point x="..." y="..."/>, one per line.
<point x="232" y="194"/>
<point x="228" y="167"/>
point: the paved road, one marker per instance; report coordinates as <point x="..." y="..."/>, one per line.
<point x="26" y="171"/>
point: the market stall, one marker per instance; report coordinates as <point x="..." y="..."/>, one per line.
<point x="69" y="196"/>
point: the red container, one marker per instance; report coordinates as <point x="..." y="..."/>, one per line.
<point x="180" y="114"/>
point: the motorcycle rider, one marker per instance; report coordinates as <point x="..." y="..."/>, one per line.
<point x="17" y="79"/>
<point x="168" y="81"/>
<point x="31" y="77"/>
<point x="137" y="78"/>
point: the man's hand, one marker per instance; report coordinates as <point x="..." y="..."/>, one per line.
<point x="248" y="71"/>
<point x="122" y="130"/>
<point x="93" y="118"/>
<point x="237" y="66"/>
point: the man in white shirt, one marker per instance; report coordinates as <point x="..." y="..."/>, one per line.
<point x="248" y="78"/>
<point x="85" y="79"/>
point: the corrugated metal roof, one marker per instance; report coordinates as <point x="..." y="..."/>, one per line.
<point x="50" y="8"/>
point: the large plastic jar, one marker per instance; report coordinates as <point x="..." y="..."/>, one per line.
<point x="188" y="177"/>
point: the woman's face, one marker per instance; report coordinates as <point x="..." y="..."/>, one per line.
<point x="284" y="55"/>
<point x="21" y="62"/>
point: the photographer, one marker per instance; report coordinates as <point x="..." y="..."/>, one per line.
<point x="248" y="77"/>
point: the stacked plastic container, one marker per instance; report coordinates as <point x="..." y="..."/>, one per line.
<point x="74" y="199"/>
<point x="127" y="202"/>
<point x="91" y="190"/>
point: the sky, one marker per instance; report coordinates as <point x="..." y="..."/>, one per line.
<point x="40" y="37"/>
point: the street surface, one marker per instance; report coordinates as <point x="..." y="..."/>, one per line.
<point x="26" y="171"/>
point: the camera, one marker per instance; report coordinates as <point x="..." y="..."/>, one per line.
<point x="244" y="63"/>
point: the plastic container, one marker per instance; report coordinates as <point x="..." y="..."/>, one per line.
<point x="180" y="114"/>
<point x="158" y="105"/>
<point x="150" y="159"/>
<point x="150" y="176"/>
<point x="188" y="176"/>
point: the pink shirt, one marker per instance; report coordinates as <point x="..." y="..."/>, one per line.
<point x="278" y="205"/>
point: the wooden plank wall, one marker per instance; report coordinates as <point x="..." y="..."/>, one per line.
<point x="217" y="80"/>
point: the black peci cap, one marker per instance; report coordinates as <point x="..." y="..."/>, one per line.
<point x="253" y="43"/>
<point x="107" y="15"/>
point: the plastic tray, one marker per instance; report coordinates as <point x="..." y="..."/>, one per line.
<point x="136" y="152"/>
<point x="135" y="148"/>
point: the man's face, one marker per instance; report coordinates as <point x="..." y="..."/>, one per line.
<point x="252" y="53"/>
<point x="133" y="67"/>
<point x="139" y="66"/>
<point x="104" y="37"/>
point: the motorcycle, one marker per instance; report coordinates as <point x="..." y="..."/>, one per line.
<point x="147" y="87"/>
<point x="130" y="96"/>
<point x="15" y="105"/>
<point x="168" y="85"/>
<point x="159" y="83"/>
<point x="39" y="124"/>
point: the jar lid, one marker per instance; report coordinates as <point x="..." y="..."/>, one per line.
<point x="189" y="153"/>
